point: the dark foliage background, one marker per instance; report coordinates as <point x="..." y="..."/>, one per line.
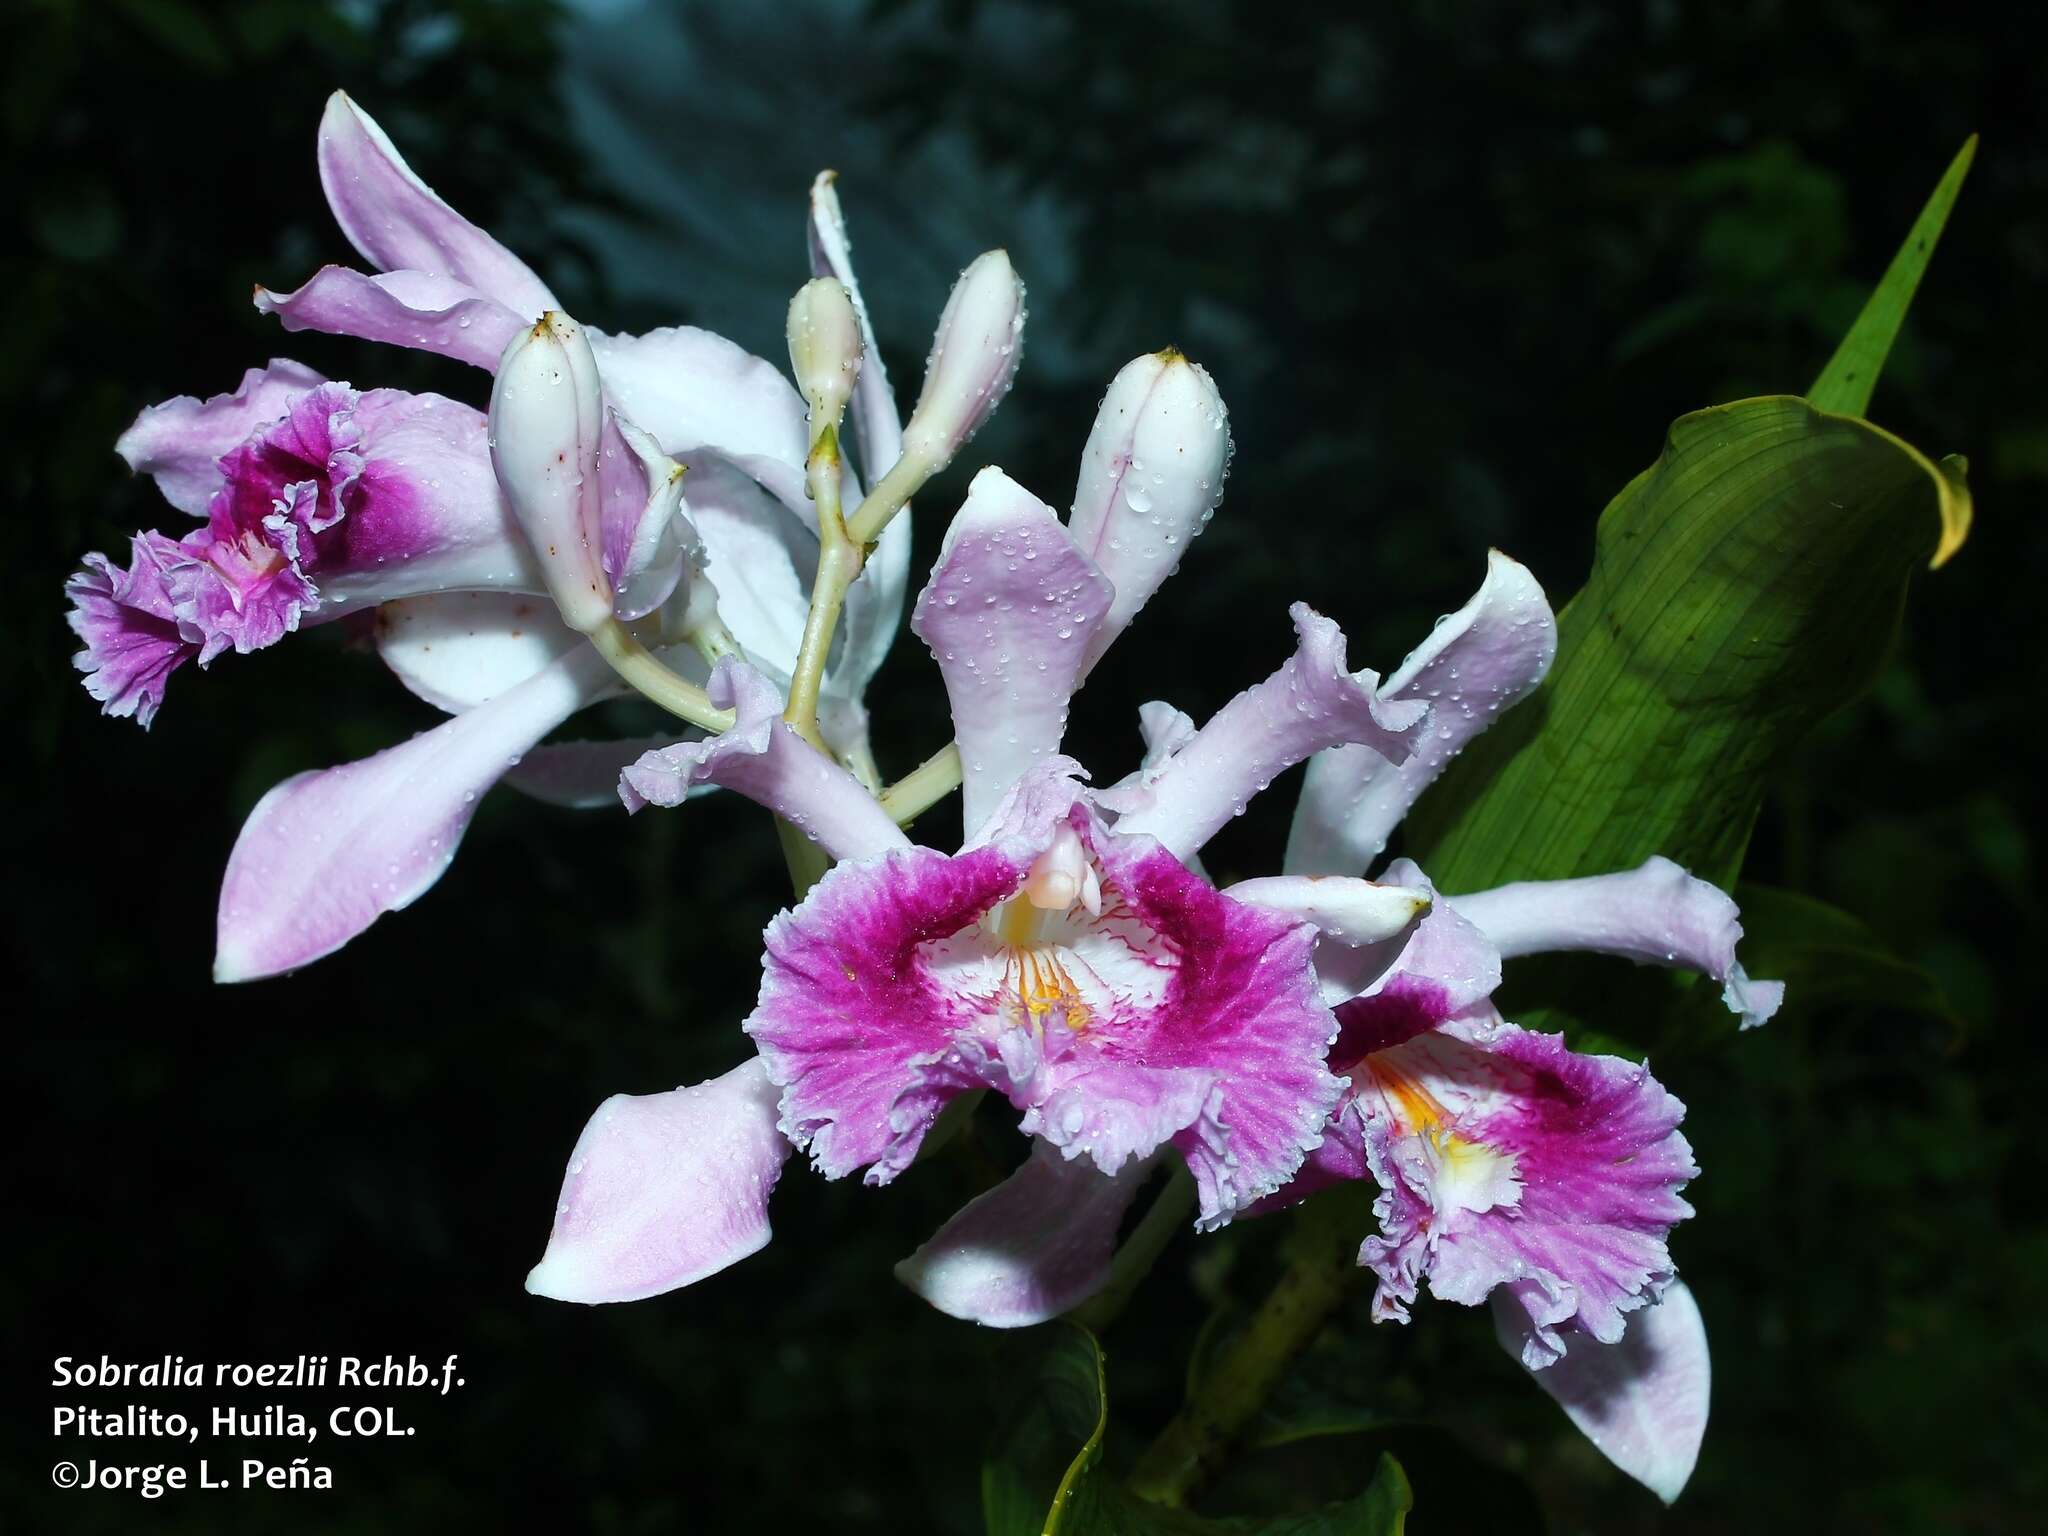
<point x="1454" y="267"/>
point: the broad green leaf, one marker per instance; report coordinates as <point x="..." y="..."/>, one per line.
<point x="1745" y="585"/>
<point x="1045" y="1477"/>
<point x="1846" y="383"/>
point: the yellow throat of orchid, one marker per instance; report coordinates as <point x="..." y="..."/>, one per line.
<point x="1470" y="1175"/>
<point x="1059" y="879"/>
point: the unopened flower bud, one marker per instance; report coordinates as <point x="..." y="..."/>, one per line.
<point x="824" y="349"/>
<point x="974" y="357"/>
<point x="1151" y="477"/>
<point x="547" y="413"/>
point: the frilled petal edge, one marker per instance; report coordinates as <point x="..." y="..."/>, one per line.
<point x="1507" y="1161"/>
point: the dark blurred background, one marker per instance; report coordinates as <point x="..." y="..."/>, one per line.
<point x="1454" y="268"/>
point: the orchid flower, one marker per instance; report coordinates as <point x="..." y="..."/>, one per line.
<point x="1122" y="1004"/>
<point x="321" y="501"/>
<point x="1510" y="1167"/>
<point x="732" y="420"/>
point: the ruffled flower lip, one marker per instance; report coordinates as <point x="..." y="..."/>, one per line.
<point x="132" y="639"/>
<point x="1506" y="1160"/>
<point x="1169" y="1015"/>
<point x="241" y="582"/>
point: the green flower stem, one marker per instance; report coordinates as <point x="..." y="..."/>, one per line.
<point x="714" y="642"/>
<point x="806" y="860"/>
<point x="924" y="786"/>
<point x="843" y="545"/>
<point x="888" y="497"/>
<point x="859" y="761"/>
<point x="650" y="676"/>
<point x="1170" y="1208"/>
<point x="840" y="559"/>
<point x="1322" y="1268"/>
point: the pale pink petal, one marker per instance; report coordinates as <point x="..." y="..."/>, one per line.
<point x="1115" y="1113"/>
<point x="664" y="1189"/>
<point x="1165" y="730"/>
<point x="179" y="443"/>
<point x="763" y="758"/>
<point x="1032" y="812"/>
<point x="425" y="514"/>
<point x="1036" y="1245"/>
<point x="1655" y="914"/>
<point x="325" y="854"/>
<point x="694" y="391"/>
<point x="1643" y="1401"/>
<point x="457" y="650"/>
<point x="1475" y="664"/>
<point x="1007" y="613"/>
<point x="398" y="222"/>
<point x="758" y="557"/>
<point x="1314" y="701"/>
<point x="404" y="309"/>
<point x="650" y="544"/>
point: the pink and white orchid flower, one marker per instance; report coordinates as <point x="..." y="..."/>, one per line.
<point x="1511" y="1168"/>
<point x="1125" y="1006"/>
<point x="734" y="421"/>
<point x="321" y="502"/>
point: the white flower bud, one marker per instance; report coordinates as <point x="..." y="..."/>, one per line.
<point x="974" y="357"/>
<point x="1151" y="477"/>
<point x="547" y="413"/>
<point x="824" y="349"/>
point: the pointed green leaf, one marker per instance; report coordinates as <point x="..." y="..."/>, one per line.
<point x="1047" y="1453"/>
<point x="1846" y="383"/>
<point x="1744" y="586"/>
<point x="1044" y="1476"/>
